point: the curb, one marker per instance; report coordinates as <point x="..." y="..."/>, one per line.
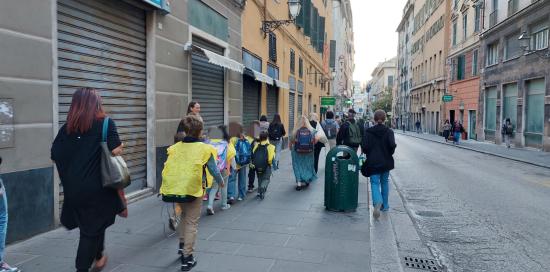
<point x="479" y="151"/>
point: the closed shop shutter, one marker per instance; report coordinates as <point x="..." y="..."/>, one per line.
<point x="251" y="100"/>
<point x="291" y="108"/>
<point x="101" y="44"/>
<point x="272" y="101"/>
<point x="207" y="85"/>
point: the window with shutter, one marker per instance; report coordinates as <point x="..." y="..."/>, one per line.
<point x="301" y="68"/>
<point x="300" y="17"/>
<point x="314" y="26"/>
<point x="292" y="62"/>
<point x="321" y="34"/>
<point x="272" y="47"/>
<point x="332" y="53"/>
<point x="307" y="8"/>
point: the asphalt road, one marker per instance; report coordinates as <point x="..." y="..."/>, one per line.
<point x="476" y="212"/>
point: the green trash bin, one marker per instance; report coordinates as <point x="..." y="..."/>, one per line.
<point x="341" y="179"/>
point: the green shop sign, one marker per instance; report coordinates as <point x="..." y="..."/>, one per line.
<point x="447" y="98"/>
<point x="328" y="101"/>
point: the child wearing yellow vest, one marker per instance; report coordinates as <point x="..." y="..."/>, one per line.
<point x="265" y="151"/>
<point x="229" y="161"/>
<point x="184" y="182"/>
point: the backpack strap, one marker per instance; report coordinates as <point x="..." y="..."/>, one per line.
<point x="104" y="130"/>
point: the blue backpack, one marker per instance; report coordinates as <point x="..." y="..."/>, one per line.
<point x="244" y="152"/>
<point x="304" y="141"/>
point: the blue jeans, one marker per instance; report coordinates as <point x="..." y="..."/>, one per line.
<point x="380" y="189"/>
<point x="3" y="220"/>
<point x="278" y="147"/>
<point x="456" y="137"/>
<point x="232" y="184"/>
<point x="242" y="181"/>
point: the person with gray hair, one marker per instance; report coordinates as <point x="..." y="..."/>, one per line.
<point x="378" y="145"/>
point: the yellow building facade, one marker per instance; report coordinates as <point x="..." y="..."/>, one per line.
<point x="287" y="68"/>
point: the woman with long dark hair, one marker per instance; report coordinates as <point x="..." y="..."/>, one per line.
<point x="194" y="108"/>
<point x="276" y="133"/>
<point x="76" y="151"/>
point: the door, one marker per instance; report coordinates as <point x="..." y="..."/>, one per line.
<point x="452" y="116"/>
<point x="291" y="110"/>
<point x="101" y="45"/>
<point x="534" y="113"/>
<point x="251" y="100"/>
<point x="207" y="84"/>
<point x="472" y="124"/>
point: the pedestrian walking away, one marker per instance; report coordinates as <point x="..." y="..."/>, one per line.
<point x="507" y="131"/>
<point x="378" y="146"/>
<point x="184" y="183"/>
<point x="301" y="145"/>
<point x="225" y="159"/>
<point x="4" y="267"/>
<point x="243" y="147"/>
<point x="417" y="125"/>
<point x="276" y="133"/>
<point x="446" y="130"/>
<point x="264" y="124"/>
<point x="458" y="129"/>
<point x="350" y="133"/>
<point x="330" y="127"/>
<point x="254" y="134"/>
<point x="76" y="152"/>
<point x="262" y="159"/>
<point x="323" y="141"/>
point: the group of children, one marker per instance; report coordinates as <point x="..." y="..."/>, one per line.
<point x="205" y="164"/>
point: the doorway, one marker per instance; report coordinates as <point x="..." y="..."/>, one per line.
<point x="472" y="124"/>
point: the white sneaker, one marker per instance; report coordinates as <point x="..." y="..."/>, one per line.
<point x="226" y="207"/>
<point x="240" y="199"/>
<point x="4" y="267"/>
<point x="376" y="211"/>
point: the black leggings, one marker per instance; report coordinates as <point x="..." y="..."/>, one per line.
<point x="317" y="151"/>
<point x="90" y="248"/>
<point x="251" y="177"/>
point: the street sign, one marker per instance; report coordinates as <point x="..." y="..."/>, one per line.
<point x="447" y="98"/>
<point x="328" y="101"/>
<point x="349" y="101"/>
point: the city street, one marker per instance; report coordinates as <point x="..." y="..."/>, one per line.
<point x="476" y="212"/>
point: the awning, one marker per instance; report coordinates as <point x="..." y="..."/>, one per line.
<point x="282" y="84"/>
<point x="263" y="77"/>
<point x="216" y="59"/>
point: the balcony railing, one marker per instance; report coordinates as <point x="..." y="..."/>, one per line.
<point x="512" y="7"/>
<point x="493" y="18"/>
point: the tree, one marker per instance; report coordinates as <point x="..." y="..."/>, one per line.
<point x="384" y="101"/>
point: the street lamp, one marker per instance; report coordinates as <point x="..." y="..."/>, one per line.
<point x="294" y="7"/>
<point x="525" y="44"/>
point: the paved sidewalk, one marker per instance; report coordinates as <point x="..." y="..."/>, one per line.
<point x="526" y="155"/>
<point x="288" y="231"/>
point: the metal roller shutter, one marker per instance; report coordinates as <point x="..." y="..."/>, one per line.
<point x="300" y="104"/>
<point x="251" y="100"/>
<point x="208" y="84"/>
<point x="101" y="44"/>
<point x="272" y="101"/>
<point x="291" y="108"/>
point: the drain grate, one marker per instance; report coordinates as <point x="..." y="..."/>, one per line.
<point x="421" y="263"/>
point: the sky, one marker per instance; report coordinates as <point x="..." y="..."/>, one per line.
<point x="374" y="24"/>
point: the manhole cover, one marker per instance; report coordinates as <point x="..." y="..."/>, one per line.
<point x="429" y="213"/>
<point x="421" y="263"/>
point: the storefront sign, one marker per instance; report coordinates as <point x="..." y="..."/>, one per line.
<point x="328" y="101"/>
<point x="163" y="5"/>
<point x="447" y="98"/>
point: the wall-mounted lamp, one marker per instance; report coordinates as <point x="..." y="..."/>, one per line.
<point x="294" y="7"/>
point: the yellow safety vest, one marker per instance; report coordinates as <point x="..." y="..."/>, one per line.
<point x="183" y="170"/>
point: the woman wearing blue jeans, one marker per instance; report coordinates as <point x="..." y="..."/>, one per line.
<point x="4" y="267"/>
<point x="379" y="145"/>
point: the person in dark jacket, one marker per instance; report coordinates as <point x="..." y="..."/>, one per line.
<point x="276" y="133"/>
<point x="348" y="130"/>
<point x="76" y="152"/>
<point x="379" y="145"/>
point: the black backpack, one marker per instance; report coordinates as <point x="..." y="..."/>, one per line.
<point x="275" y="132"/>
<point x="259" y="159"/>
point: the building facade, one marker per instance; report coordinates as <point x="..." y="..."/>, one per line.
<point x="290" y="65"/>
<point x="515" y="79"/>
<point x="401" y="103"/>
<point x="464" y="65"/>
<point x="147" y="58"/>
<point x="383" y="78"/>
<point x="342" y="51"/>
<point x="428" y="54"/>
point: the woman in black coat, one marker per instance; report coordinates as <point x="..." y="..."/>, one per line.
<point x="77" y="155"/>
